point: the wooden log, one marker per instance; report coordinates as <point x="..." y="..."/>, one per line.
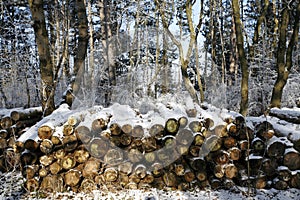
<point x="179" y="169"/>
<point x="183" y="122"/>
<point x="135" y="156"/>
<point x="125" y="168"/>
<point x="215" y="183"/>
<point x="24" y="114"/>
<point x="46" y="146"/>
<point x="125" y="139"/>
<point x="87" y="186"/>
<point x="269" y="166"/>
<point x="171" y="126"/>
<point x="30" y="171"/>
<point x="31" y="145"/>
<point x="140" y="171"/>
<point x="127" y="129"/>
<point x="201" y="175"/>
<point x="258" y="145"/>
<point x="84" y="134"/>
<point x="234" y="153"/>
<point x="149" y="144"/>
<point x="68" y="129"/>
<point x="229" y="142"/>
<point x="138" y="131"/>
<point x="73" y="121"/>
<point x="98" y="125"/>
<point x="198" y="139"/>
<point x="279" y="184"/>
<point x="194" y="150"/>
<point x="295" y="180"/>
<point x="284" y="173"/>
<point x="91" y="168"/>
<point x="246" y="133"/>
<point x="28" y="158"/>
<point x="123" y="180"/>
<point x="46" y="160"/>
<point x="113" y="157"/>
<point x="98" y="147"/>
<point x="208" y="123"/>
<point x="221" y="157"/>
<point x="275" y="147"/>
<point x="169" y="141"/>
<point x="182" y="149"/>
<point x="72" y="177"/>
<point x="26" y="123"/>
<point x="115" y="129"/>
<point x="55" y="167"/>
<point x="220" y="131"/>
<point x="43" y="172"/>
<point x="3" y="134"/>
<point x="244" y="145"/>
<point x="45" y="131"/>
<point x="157" y="131"/>
<point x="68" y="162"/>
<point x="133" y="178"/>
<point x="195" y="126"/>
<point x="110" y="174"/>
<point x="3" y="143"/>
<point x="219" y="171"/>
<point x="189" y="176"/>
<point x="170" y="179"/>
<point x="149" y="178"/>
<point x="6" y="122"/>
<point x="81" y="155"/>
<point x="59" y="154"/>
<point x="184" y="137"/>
<point x="232" y="130"/>
<point x="70" y="143"/>
<point x="52" y="183"/>
<point x="291" y="159"/>
<point x="231" y="171"/>
<point x="32" y="185"/>
<point x="292" y="116"/>
<point x="212" y="143"/>
<point x="56" y="140"/>
<point x="197" y="164"/>
<point x="157" y="169"/>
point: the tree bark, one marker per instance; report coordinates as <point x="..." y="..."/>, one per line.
<point x="284" y="55"/>
<point x="46" y="65"/>
<point x="242" y="57"/>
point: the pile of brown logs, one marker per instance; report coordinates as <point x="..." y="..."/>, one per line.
<point x="183" y="154"/>
<point x="12" y="126"/>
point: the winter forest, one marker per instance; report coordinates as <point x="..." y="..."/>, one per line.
<point x="242" y="56"/>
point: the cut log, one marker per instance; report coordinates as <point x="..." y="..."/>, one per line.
<point x="170" y="179"/>
<point x="115" y="129"/>
<point x="157" y="131"/>
<point x="135" y="156"/>
<point x="284" y="173"/>
<point x="291" y="159"/>
<point x="149" y="144"/>
<point x="68" y="130"/>
<point x="231" y="171"/>
<point x="232" y="130"/>
<point x="198" y="139"/>
<point x="229" y="142"/>
<point x="81" y="155"/>
<point x="125" y="168"/>
<point x="295" y="180"/>
<point x="29" y="113"/>
<point x="234" y="153"/>
<point x="280" y="184"/>
<point x="208" y="123"/>
<point x="55" y="168"/>
<point x="219" y="171"/>
<point x="72" y="177"/>
<point x="32" y="185"/>
<point x="30" y="171"/>
<point x="46" y="160"/>
<point x="98" y="125"/>
<point x="26" y="123"/>
<point x="201" y="175"/>
<point x="113" y="157"/>
<point x="138" y="131"/>
<point x="110" y="174"/>
<point x="184" y="137"/>
<point x="258" y="145"/>
<point x="52" y="183"/>
<point x="70" y="143"/>
<point x="59" y="154"/>
<point x="68" y="162"/>
<point x="275" y="147"/>
<point x="189" y="176"/>
<point x="140" y="171"/>
<point x="46" y="146"/>
<point x="179" y="169"/>
<point x="91" y="168"/>
<point x="3" y="143"/>
<point x="292" y="116"/>
<point x="197" y="164"/>
<point x="6" y="122"/>
<point x="84" y="134"/>
<point x="45" y="131"/>
<point x="3" y="134"/>
<point x="43" y="172"/>
<point x="127" y="129"/>
<point x="28" y="158"/>
<point x="98" y="147"/>
<point x="195" y="126"/>
<point x="183" y="121"/>
<point x="220" y="131"/>
<point x="269" y="166"/>
<point x="31" y="145"/>
<point x="87" y="186"/>
<point x="172" y="126"/>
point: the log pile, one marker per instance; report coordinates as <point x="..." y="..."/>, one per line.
<point x="12" y="126"/>
<point x="183" y="154"/>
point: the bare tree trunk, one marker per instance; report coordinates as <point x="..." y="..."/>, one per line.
<point x="109" y="56"/>
<point x="46" y="66"/>
<point x="81" y="46"/>
<point x="91" y="42"/>
<point x="284" y="55"/>
<point x="242" y="57"/>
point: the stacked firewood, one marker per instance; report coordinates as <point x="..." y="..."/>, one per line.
<point x="183" y="154"/>
<point x="12" y="126"/>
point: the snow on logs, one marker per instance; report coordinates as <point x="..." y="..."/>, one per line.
<point x="186" y="152"/>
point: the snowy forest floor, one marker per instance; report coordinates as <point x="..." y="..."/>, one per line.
<point x="11" y="187"/>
